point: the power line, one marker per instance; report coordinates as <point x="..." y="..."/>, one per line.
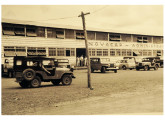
<point x="55" y="19"/>
<point x="71" y="16"/>
<point x="99" y="9"/>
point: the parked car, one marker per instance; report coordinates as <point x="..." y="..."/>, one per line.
<point x="31" y="71"/>
<point x="126" y="64"/>
<point x="102" y="64"/>
<point x="148" y="63"/>
<point x="159" y="60"/>
<point x="7" y="68"/>
<point x="63" y="63"/>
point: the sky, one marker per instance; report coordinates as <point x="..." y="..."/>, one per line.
<point x="147" y="19"/>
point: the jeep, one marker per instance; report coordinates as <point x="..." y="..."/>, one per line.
<point x="31" y="71"/>
<point x="64" y="63"/>
<point x="102" y="64"/>
<point x="148" y="63"/>
<point x="7" y="68"/>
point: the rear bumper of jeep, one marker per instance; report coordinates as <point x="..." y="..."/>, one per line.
<point x="115" y="68"/>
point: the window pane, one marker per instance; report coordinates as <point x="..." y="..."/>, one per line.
<point x="101" y="36"/>
<point x="114" y="37"/>
<point x="51" y="33"/>
<point x="105" y="52"/>
<point x="118" y="52"/>
<point x="41" y="32"/>
<point x="123" y="52"/>
<point x="60" y="51"/>
<point x="112" y="52"/>
<point x="52" y="51"/>
<point x="69" y="34"/>
<point x="99" y="52"/>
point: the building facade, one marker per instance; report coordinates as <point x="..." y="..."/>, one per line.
<point x="30" y="39"/>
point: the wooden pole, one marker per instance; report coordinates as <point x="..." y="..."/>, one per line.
<point x="87" y="53"/>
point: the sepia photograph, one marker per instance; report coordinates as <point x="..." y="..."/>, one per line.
<point x="82" y="59"/>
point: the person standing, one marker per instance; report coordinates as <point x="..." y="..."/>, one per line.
<point x="85" y="61"/>
<point x="81" y="60"/>
<point x="78" y="61"/>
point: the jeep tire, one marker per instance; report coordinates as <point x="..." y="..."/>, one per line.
<point x="115" y="71"/>
<point x="66" y="80"/>
<point x="124" y="67"/>
<point x="24" y="84"/>
<point x="36" y="82"/>
<point x="29" y="74"/>
<point x="146" y="68"/>
<point x="56" y="82"/>
<point x="103" y="69"/>
<point x="137" y="68"/>
<point x="156" y="67"/>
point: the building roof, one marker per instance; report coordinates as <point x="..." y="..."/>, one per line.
<point x="73" y="27"/>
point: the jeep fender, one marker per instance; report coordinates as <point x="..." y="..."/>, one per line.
<point x="67" y="74"/>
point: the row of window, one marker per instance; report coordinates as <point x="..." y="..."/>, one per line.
<point x="124" y="52"/>
<point x="41" y="51"/>
<point x="34" y="31"/>
<point x="37" y="51"/>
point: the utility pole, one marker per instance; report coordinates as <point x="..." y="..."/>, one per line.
<point x="87" y="53"/>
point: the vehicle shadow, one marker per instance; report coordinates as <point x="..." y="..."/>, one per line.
<point x="42" y="86"/>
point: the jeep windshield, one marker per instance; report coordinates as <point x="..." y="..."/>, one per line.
<point x="63" y="60"/>
<point x="105" y="60"/>
<point x="146" y="60"/>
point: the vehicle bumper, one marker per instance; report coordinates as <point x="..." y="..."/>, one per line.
<point x="116" y="68"/>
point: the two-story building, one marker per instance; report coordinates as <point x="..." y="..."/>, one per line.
<point x="26" y="38"/>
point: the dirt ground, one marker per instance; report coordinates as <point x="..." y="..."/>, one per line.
<point x="126" y="92"/>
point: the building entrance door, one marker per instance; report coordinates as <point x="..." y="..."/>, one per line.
<point x="81" y="57"/>
<point x="80" y="52"/>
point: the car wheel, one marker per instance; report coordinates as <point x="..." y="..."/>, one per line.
<point x="36" y="82"/>
<point x="103" y="69"/>
<point x="137" y="68"/>
<point x="66" y="80"/>
<point x="146" y="68"/>
<point x="124" y="67"/>
<point x="115" y="71"/>
<point x="156" y="67"/>
<point x="24" y="84"/>
<point x="56" y="82"/>
<point x="29" y="74"/>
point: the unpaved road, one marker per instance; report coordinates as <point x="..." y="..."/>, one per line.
<point x="125" y="92"/>
<point x="137" y="103"/>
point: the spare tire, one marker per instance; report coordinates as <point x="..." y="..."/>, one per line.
<point x="29" y="74"/>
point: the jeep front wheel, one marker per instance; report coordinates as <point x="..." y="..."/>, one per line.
<point x="29" y="74"/>
<point x="137" y="68"/>
<point x="36" y="82"/>
<point x="146" y="68"/>
<point x="103" y="69"/>
<point x="115" y="71"/>
<point x="66" y="80"/>
<point x="124" y="67"/>
<point x="156" y="67"/>
<point x="56" y="82"/>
